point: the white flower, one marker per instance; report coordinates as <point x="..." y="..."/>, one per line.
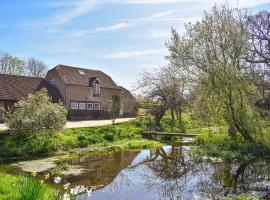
<point x="89" y="192"/>
<point x="80" y="190"/>
<point x="66" y="196"/>
<point x="57" y="179"/>
<point x="66" y="186"/>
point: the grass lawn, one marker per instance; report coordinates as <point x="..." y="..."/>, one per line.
<point x="125" y="135"/>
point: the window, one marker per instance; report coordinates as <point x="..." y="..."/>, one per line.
<point x="97" y="106"/>
<point x="81" y="72"/>
<point x="90" y="106"/>
<point x="82" y="106"/>
<point x="74" y="105"/>
<point x="96" y="88"/>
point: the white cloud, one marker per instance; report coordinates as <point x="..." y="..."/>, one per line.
<point x="129" y="23"/>
<point x="233" y="3"/>
<point x="101" y="29"/>
<point x="130" y="54"/>
<point x="77" y="10"/>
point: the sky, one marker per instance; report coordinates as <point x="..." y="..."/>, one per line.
<point x="118" y="37"/>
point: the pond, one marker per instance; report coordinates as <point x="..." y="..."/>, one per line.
<point x="166" y="173"/>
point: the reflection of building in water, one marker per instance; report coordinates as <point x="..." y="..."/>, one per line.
<point x="101" y="169"/>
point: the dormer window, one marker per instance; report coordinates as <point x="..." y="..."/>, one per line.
<point x="95" y="83"/>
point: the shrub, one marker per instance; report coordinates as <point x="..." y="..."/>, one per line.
<point x="36" y="113"/>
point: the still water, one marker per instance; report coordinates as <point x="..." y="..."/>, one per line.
<point x="166" y="173"/>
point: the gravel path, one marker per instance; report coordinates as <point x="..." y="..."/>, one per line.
<point x="94" y="123"/>
<point x="80" y="124"/>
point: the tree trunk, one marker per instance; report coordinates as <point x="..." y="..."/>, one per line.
<point x="231" y="129"/>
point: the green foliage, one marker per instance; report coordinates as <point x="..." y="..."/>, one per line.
<point x="228" y="148"/>
<point x="22" y="145"/>
<point x="24" y="188"/>
<point x="61" y="166"/>
<point x="48" y="142"/>
<point x="11" y="65"/>
<point x="36" y="113"/>
<point x="170" y="125"/>
<point x="244" y="197"/>
<point x="116" y="104"/>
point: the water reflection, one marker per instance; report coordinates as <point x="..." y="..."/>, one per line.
<point x="172" y="173"/>
<point x="167" y="173"/>
<point x="100" y="169"/>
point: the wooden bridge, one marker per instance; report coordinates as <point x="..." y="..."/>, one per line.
<point x="154" y="134"/>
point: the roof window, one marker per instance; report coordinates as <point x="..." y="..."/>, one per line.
<point x="81" y="72"/>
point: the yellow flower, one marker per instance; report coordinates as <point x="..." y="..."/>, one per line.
<point x="46" y="176"/>
<point x="34" y="174"/>
<point x="41" y="181"/>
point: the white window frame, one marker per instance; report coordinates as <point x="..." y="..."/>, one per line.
<point x="96" y="88"/>
<point x="74" y="105"/>
<point x="82" y="106"/>
<point x="99" y="106"/>
<point x="90" y="106"/>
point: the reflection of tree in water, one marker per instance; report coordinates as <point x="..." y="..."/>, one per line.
<point x="230" y="178"/>
<point x="170" y="170"/>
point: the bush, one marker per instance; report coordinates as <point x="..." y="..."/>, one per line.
<point x="36" y="113"/>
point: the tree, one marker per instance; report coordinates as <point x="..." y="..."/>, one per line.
<point x="36" y="113"/>
<point x="35" y="68"/>
<point x="258" y="27"/>
<point x="115" y="110"/>
<point x="11" y="65"/>
<point x="164" y="90"/>
<point x="179" y="74"/>
<point x="214" y="51"/>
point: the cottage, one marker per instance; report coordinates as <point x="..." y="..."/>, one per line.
<point x="87" y="94"/>
<point x="13" y="88"/>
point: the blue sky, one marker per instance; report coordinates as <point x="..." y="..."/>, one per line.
<point x="119" y="37"/>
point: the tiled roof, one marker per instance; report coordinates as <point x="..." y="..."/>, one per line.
<point x="14" y="87"/>
<point x="75" y="76"/>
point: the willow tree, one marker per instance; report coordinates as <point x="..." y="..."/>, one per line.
<point x="214" y="51"/>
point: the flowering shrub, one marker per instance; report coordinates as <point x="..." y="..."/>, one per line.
<point x="36" y="113"/>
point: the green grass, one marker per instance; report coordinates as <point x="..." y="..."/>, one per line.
<point x="229" y="148"/>
<point x="244" y="197"/>
<point x="24" y="188"/>
<point x="127" y="135"/>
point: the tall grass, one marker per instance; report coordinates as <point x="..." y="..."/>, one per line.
<point x="24" y="188"/>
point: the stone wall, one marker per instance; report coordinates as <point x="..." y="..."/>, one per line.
<point x="129" y="103"/>
<point x="53" y="78"/>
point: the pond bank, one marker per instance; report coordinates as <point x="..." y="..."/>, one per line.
<point x="120" y="136"/>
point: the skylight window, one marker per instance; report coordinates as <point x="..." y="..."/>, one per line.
<point x="81" y="72"/>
